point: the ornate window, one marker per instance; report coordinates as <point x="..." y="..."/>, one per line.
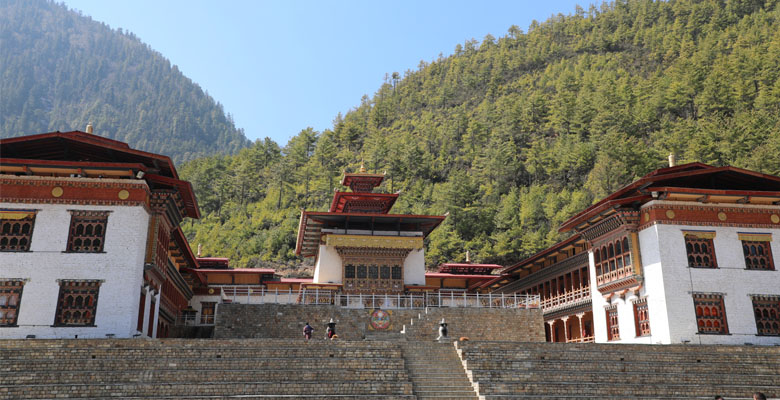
<point x="396" y="272"/>
<point x="642" y="317"/>
<point x="612" y="260"/>
<point x="613" y="326"/>
<point x="87" y="231"/>
<point x="77" y="303"/>
<point x="700" y="251"/>
<point x="349" y="272"/>
<point x="16" y="228"/>
<point x="207" y="312"/>
<point x="10" y="297"/>
<point x="758" y="255"/>
<point x="767" y="312"/>
<point x="710" y="313"/>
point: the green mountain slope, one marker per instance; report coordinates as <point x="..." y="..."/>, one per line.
<point x="514" y="135"/>
<point x="60" y="70"/>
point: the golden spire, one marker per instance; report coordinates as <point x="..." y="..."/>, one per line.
<point x="362" y="166"/>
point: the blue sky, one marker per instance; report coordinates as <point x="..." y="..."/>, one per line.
<point x="279" y="67"/>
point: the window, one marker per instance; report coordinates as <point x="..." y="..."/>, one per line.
<point x="767" y="312"/>
<point x="361" y="272"/>
<point x="701" y="253"/>
<point x="642" y="317"/>
<point x="385" y="272"/>
<point x="613" y="326"/>
<point x="758" y="255"/>
<point x="710" y="313"/>
<point x="77" y="303"/>
<point x="396" y="272"/>
<point x="10" y="297"/>
<point x="612" y="261"/>
<point x="16" y="230"/>
<point x="87" y="231"/>
<point x="373" y="272"/>
<point x="349" y="271"/>
<point x="207" y="312"/>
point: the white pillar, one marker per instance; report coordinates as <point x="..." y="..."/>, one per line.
<point x="147" y="301"/>
<point x="156" y="315"/>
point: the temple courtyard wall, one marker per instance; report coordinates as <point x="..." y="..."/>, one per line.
<point x="287" y="321"/>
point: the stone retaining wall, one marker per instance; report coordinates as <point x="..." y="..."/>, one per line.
<point x="287" y="321"/>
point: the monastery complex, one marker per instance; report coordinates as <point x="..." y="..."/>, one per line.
<point x="680" y="265"/>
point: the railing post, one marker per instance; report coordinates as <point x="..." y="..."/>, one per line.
<point x="502" y="301"/>
<point x="515" y="299"/>
<point x="439" y="299"/>
<point x="276" y="296"/>
<point x="478" y="305"/>
<point x="490" y="299"/>
<point x="317" y="296"/>
<point x="248" y="292"/>
<point x="361" y="300"/>
<point x="464" y="300"/>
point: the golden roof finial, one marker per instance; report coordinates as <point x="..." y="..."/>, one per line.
<point x="362" y="165"/>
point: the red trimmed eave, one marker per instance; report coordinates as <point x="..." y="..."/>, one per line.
<point x="184" y="246"/>
<point x="340" y="200"/>
<point x="185" y="190"/>
<point x="457" y="266"/>
<point x="194" y="272"/>
<point x="73" y="164"/>
<point x="240" y="271"/>
<point x="491" y="282"/>
<point x="88" y="138"/>
<point x="301" y="231"/>
<point x="294" y="280"/>
<point x="685" y="170"/>
<point x="598" y="208"/>
<point x="444" y="275"/>
<point x="544" y="253"/>
<point x="376" y="179"/>
<point x="718" y="192"/>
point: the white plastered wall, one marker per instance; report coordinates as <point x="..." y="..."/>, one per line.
<point x="328" y="267"/>
<point x="120" y="267"/>
<point x="414" y="268"/>
<point x="730" y="279"/>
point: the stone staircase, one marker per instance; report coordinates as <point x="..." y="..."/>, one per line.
<point x="436" y="371"/>
<point x="195" y="369"/>
<point x="505" y="370"/>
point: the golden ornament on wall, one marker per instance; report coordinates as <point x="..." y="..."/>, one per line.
<point x="775" y="219"/>
<point x="57" y="191"/>
<point x="123" y="194"/>
<point x="670" y="214"/>
<point x="722" y="216"/>
<point x="211" y="291"/>
<point x="647" y="217"/>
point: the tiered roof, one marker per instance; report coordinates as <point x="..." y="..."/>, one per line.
<point x="360" y="209"/>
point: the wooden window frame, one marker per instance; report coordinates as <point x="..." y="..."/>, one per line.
<point x="10" y="300"/>
<point x="90" y="223"/>
<point x="754" y="259"/>
<point x="701" y="248"/>
<point x="613" y="323"/>
<point x="766" y="311"/>
<point x="612" y="260"/>
<point x="208" y="318"/>
<point x="710" y="311"/>
<point x="16" y="233"/>
<point x="641" y="317"/>
<point x="77" y="296"/>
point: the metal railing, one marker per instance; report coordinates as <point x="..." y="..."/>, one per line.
<point x="248" y="295"/>
<point x="194" y="320"/>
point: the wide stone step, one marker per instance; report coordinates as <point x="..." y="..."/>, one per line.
<point x="554" y="388"/>
<point x="618" y="367"/>
<point x="565" y="376"/>
<point x="206" y="353"/>
<point x="201" y="389"/>
<point x="199" y="363"/>
<point x="621" y="356"/>
<point x="197" y="375"/>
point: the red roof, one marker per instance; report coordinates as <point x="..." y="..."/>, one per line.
<point x="363" y="202"/>
<point x="458" y="276"/>
<point x="81" y="148"/>
<point x="292" y="280"/>
<point x="691" y="176"/>
<point x="463" y="268"/>
<point x="238" y="270"/>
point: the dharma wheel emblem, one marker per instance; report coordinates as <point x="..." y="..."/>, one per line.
<point x="380" y="320"/>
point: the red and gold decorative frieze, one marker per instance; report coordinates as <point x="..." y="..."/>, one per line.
<point x="703" y="215"/>
<point x="78" y="191"/>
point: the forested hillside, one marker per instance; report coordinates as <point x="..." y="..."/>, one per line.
<point x="60" y="70"/>
<point x="513" y="135"/>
